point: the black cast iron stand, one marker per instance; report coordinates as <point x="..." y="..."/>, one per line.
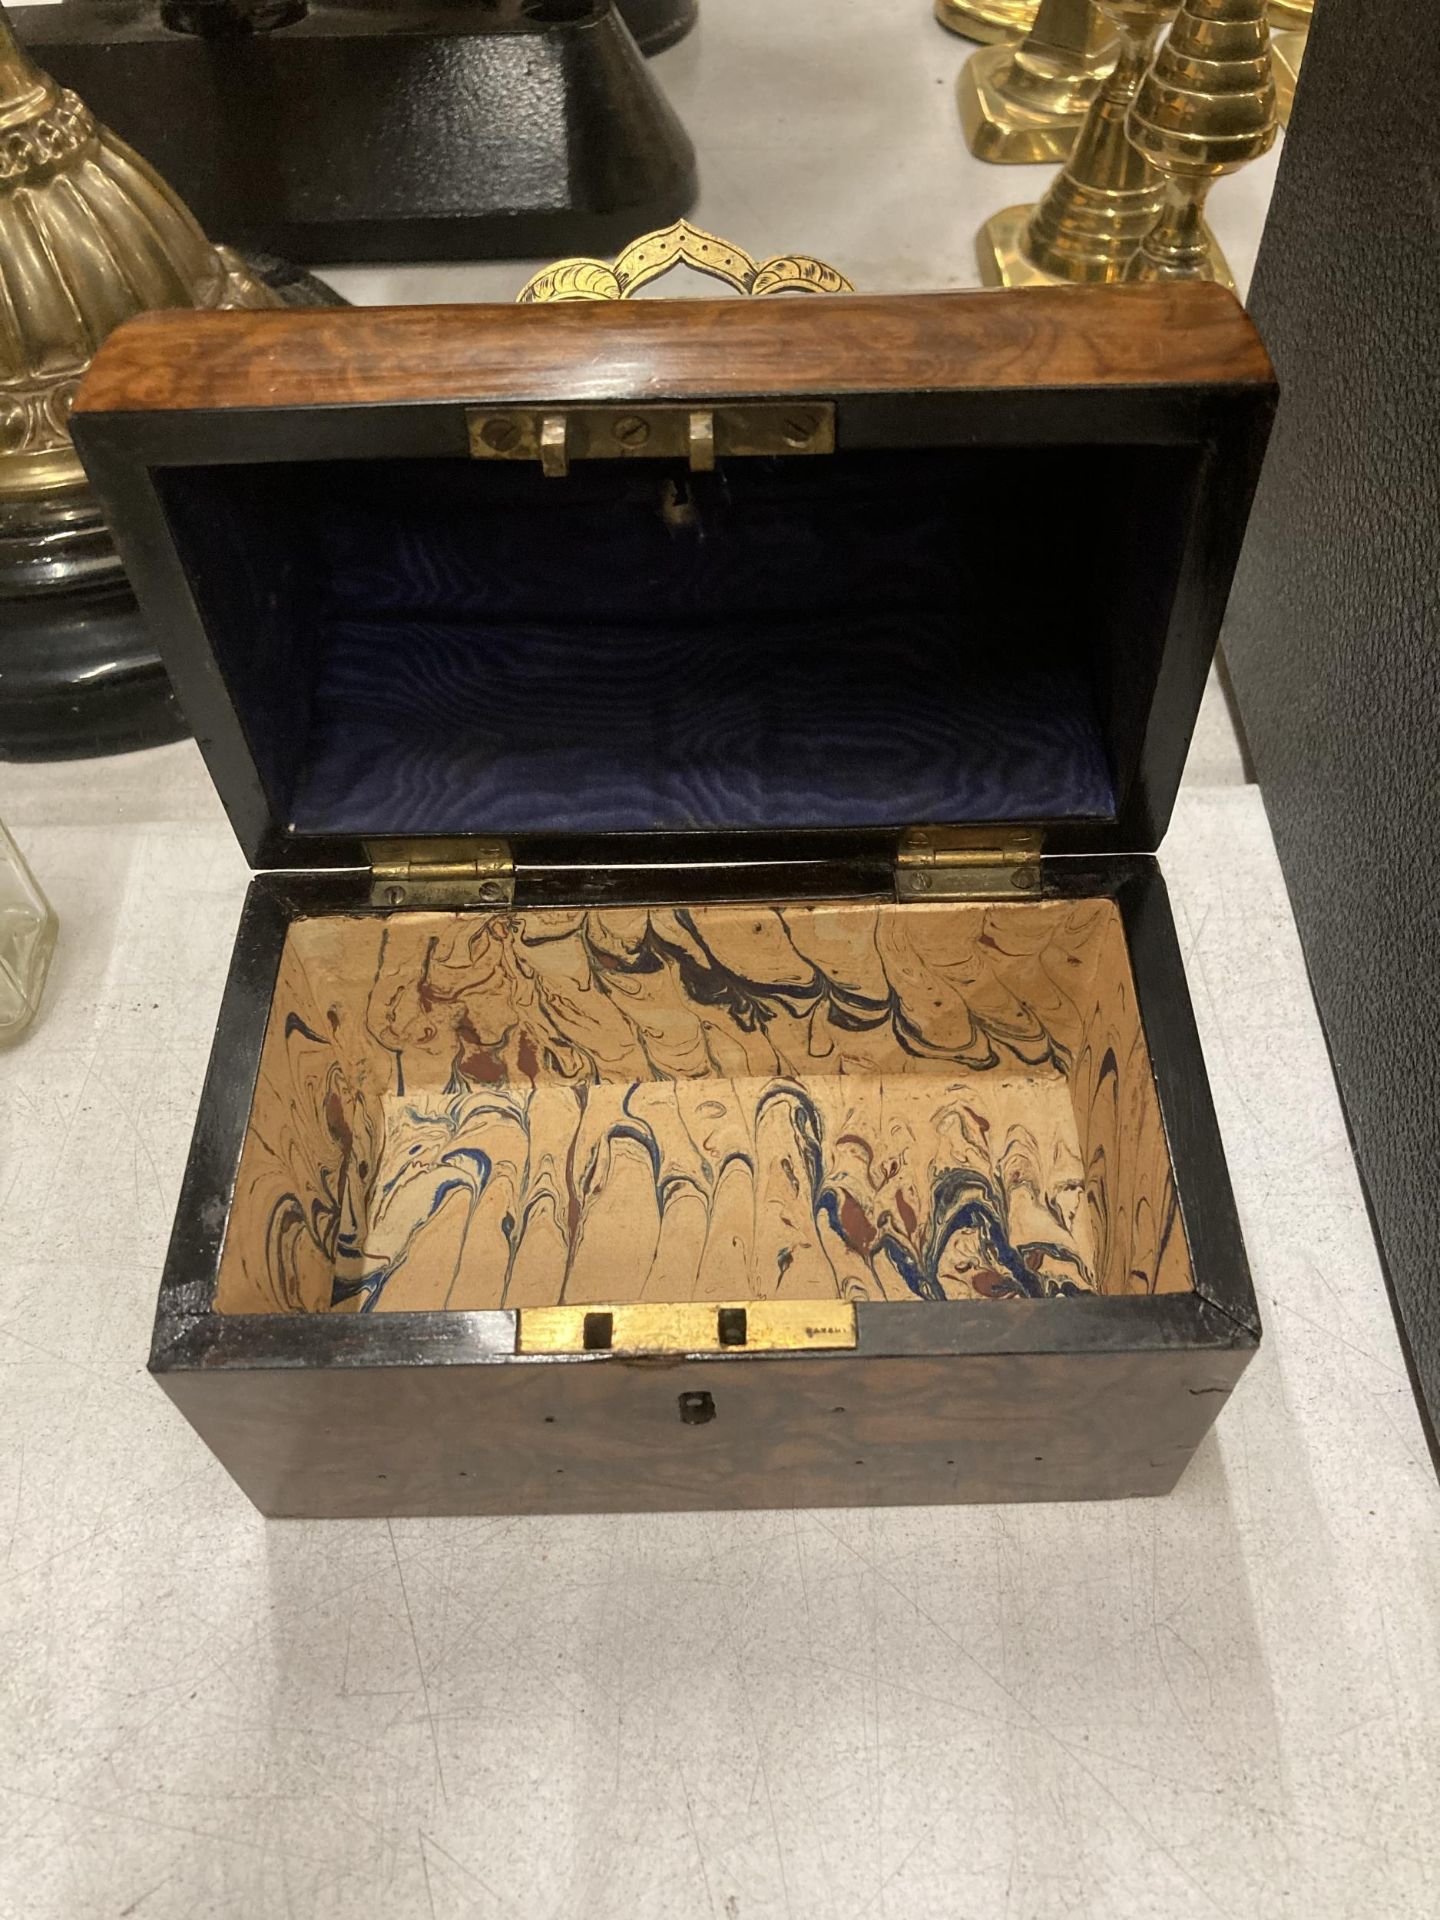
<point x="328" y="130"/>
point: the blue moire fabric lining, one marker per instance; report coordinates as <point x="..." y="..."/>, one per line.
<point x="431" y="727"/>
<point x="798" y="643"/>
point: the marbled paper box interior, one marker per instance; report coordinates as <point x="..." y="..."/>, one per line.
<point x="868" y="1101"/>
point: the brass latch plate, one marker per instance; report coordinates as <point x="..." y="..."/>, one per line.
<point x="967" y="863"/>
<point x="746" y="1326"/>
<point x="694" y="432"/>
<point x="441" y="873"/>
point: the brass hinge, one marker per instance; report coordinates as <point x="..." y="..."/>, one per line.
<point x="967" y="863"/>
<point x="675" y="431"/>
<point x="441" y="873"/>
<point x="751" y="1326"/>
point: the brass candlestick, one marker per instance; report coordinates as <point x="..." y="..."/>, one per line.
<point x="1028" y="102"/>
<point x="1287" y="50"/>
<point x="1106" y="198"/>
<point x="1289" y="31"/>
<point x="1206" y="107"/>
<point x="987" y="20"/>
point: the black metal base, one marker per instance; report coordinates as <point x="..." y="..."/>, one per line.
<point x="79" y="674"/>
<point x="514" y="128"/>
<point x="657" y="24"/>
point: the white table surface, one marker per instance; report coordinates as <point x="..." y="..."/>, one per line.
<point x="1223" y="1703"/>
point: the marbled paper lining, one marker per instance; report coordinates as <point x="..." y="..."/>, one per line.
<point x="729" y="1102"/>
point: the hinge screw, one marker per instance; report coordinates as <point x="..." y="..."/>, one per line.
<point x="501" y="436"/>
<point x="921" y="882"/>
<point x="799" y="428"/>
<point x="632" y="431"/>
<point x="491" y="890"/>
<point x="395" y="896"/>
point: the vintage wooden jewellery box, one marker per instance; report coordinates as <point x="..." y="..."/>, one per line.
<point x="706" y="1028"/>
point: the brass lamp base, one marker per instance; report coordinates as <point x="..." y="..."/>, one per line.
<point x="1022" y="106"/>
<point x="1287" y="50"/>
<point x="987" y="20"/>
<point x="1000" y="250"/>
<point x="80" y="674"/>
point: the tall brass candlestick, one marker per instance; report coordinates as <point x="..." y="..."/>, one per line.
<point x="1028" y="102"/>
<point x="1289" y="32"/>
<point x="987" y="20"/>
<point x="1206" y="107"/>
<point x="1107" y="197"/>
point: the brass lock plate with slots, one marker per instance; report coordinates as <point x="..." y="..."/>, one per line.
<point x="694" y="432"/>
<point x="643" y="1327"/>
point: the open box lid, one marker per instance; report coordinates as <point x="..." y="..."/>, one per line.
<point x="672" y="579"/>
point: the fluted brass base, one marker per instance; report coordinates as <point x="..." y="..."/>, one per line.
<point x="1009" y="125"/>
<point x="1287" y="50"/>
<point x="1000" y="250"/>
<point x="987" y="20"/>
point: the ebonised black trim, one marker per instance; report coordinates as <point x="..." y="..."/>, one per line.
<point x="1202" y="1178"/>
<point x="1227" y="425"/>
<point x="1220" y="1315"/>
<point x="192" y="1262"/>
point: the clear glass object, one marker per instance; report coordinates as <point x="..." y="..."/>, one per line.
<point x="27" y="939"/>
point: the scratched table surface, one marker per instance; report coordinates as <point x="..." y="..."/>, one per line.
<point x="1220" y="1703"/>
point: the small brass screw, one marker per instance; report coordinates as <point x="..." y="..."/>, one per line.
<point x="395" y="896"/>
<point x="799" y="428"/>
<point x="502" y="436"/>
<point x="490" y="890"/>
<point x="632" y="431"/>
<point x="922" y="882"/>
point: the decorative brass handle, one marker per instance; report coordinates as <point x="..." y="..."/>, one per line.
<point x="654" y="254"/>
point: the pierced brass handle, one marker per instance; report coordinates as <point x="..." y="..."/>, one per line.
<point x="654" y="254"/>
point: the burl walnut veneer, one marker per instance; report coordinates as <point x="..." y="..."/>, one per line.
<point x="706" y="1028"/>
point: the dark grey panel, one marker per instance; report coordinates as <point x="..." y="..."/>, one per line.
<point x="1334" y="628"/>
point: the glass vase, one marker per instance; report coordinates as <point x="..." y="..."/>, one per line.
<point x="27" y="939"/>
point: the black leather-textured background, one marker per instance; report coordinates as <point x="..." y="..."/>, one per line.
<point x="1333" y="635"/>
